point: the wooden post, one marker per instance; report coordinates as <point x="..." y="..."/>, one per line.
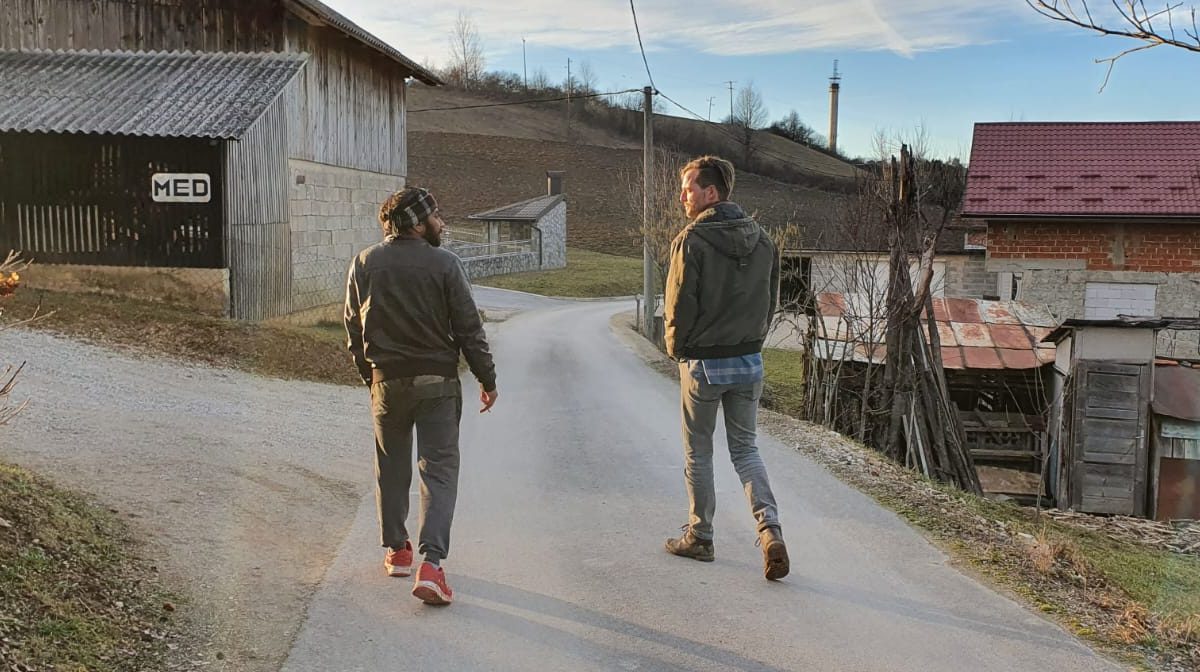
<point x="648" y="284"/>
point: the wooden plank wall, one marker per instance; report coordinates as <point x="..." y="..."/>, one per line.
<point x="349" y="110"/>
<point x="258" y="234"/>
<point x="1110" y="446"/>
<point x="142" y="25"/>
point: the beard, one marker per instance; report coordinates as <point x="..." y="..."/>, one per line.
<point x="434" y="238"/>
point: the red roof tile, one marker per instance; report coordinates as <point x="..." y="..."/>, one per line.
<point x="1135" y="168"/>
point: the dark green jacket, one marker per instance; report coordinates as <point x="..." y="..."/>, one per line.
<point x="409" y="312"/>
<point x="722" y="287"/>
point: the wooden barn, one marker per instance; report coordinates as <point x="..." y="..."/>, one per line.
<point x="234" y="150"/>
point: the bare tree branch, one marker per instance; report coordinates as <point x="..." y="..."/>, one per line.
<point x="1137" y="24"/>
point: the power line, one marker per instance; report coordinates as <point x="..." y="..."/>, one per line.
<point x="642" y="48"/>
<point x="524" y="102"/>
<point x="761" y="150"/>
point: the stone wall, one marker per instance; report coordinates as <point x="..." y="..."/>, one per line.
<point x="205" y="290"/>
<point x="334" y="215"/>
<point x="554" y="237"/>
<point x="482" y="267"/>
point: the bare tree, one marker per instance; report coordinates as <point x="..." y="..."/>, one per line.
<point x="586" y="80"/>
<point x="667" y="218"/>
<point x="466" y="52"/>
<point x="1171" y="26"/>
<point x="540" y="80"/>
<point x="749" y="114"/>
<point x="895" y="397"/>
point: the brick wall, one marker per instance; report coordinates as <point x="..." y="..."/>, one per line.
<point x="1129" y="246"/>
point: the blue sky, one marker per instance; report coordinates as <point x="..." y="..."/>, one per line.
<point x="939" y="64"/>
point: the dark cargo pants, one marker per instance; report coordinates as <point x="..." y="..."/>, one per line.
<point x="431" y="405"/>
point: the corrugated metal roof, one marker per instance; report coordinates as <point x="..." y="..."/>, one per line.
<point x="1113" y="169"/>
<point x="327" y="15"/>
<point x="974" y="334"/>
<point x="531" y="210"/>
<point x="162" y="94"/>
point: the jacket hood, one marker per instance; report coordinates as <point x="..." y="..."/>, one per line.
<point x="728" y="228"/>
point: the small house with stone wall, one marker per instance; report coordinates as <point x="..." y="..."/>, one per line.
<point x="529" y="235"/>
<point x="233" y="149"/>
<point x="1094" y="220"/>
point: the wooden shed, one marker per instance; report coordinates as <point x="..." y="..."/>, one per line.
<point x="327" y="148"/>
<point x="1104" y="383"/>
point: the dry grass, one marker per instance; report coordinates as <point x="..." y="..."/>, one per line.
<point x="303" y="353"/>
<point x="73" y="594"/>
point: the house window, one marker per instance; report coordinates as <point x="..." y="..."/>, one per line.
<point x="1108" y="300"/>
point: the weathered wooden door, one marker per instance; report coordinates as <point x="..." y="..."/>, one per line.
<point x="1109" y="438"/>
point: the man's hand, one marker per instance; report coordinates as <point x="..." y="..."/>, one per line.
<point x="487" y="399"/>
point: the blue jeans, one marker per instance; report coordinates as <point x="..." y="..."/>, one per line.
<point x="699" y="402"/>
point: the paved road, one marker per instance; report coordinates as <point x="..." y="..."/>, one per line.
<point x="567" y="491"/>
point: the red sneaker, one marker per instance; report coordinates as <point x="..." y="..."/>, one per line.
<point x="399" y="563"/>
<point x="431" y="585"/>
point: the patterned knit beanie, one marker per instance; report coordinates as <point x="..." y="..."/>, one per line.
<point x="406" y="209"/>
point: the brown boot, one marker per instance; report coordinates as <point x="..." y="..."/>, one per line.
<point x="775" y="555"/>
<point x="688" y="546"/>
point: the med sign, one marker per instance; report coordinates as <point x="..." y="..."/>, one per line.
<point x="180" y="188"/>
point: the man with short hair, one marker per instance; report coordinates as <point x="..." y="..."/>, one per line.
<point x="722" y="290"/>
<point x="409" y="313"/>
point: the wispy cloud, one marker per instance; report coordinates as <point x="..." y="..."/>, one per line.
<point x="421" y="28"/>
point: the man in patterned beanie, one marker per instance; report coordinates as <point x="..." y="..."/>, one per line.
<point x="409" y="313"/>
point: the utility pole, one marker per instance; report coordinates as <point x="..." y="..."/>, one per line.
<point x="710" y="104"/>
<point x="731" y="83"/>
<point x="524" y="65"/>
<point x="649" y="293"/>
<point x="570" y="85"/>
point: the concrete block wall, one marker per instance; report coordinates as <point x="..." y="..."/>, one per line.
<point x="1108" y="300"/>
<point x="1065" y="292"/>
<point x="967" y="276"/>
<point x="334" y="215"/>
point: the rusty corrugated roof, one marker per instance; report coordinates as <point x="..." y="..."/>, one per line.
<point x="161" y="94"/>
<point x="974" y="334"/>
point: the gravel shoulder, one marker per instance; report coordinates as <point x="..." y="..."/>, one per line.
<point x="243" y="486"/>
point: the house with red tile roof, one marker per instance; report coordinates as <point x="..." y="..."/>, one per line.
<point x="1093" y="220"/>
